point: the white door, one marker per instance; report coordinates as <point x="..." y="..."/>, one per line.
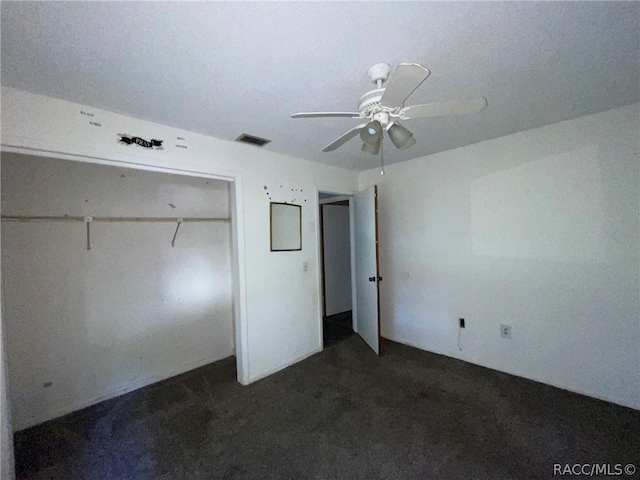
<point x="366" y="266"/>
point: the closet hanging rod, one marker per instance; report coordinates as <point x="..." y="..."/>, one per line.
<point x="69" y="218"/>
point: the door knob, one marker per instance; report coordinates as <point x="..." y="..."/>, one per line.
<point x="372" y="279"/>
<point x="379" y="279"/>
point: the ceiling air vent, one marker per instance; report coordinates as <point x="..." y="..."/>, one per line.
<point x="251" y="140"/>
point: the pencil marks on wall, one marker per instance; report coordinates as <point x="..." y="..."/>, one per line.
<point x="285" y="194"/>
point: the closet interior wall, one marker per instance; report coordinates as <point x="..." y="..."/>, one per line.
<point x="83" y="325"/>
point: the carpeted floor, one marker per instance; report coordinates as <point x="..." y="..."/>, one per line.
<point x="343" y="413"/>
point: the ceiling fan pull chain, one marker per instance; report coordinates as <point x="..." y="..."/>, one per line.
<point x="381" y="155"/>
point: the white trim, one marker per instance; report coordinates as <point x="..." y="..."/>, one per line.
<point x="223" y="175"/>
<point x="238" y="266"/>
<point x="337" y="198"/>
<point x="319" y="269"/>
<point x="335" y="190"/>
<point x="352" y="242"/>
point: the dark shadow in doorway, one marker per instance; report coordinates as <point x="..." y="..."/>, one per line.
<point x="336" y="328"/>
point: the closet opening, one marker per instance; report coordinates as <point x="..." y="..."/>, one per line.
<point x="113" y="278"/>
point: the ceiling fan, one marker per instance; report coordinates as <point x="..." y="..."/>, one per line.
<point x="384" y="106"/>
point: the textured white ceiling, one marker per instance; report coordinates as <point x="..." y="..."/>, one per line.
<point x="222" y="69"/>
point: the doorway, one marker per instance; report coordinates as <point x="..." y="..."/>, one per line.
<point x="98" y="306"/>
<point x="336" y="267"/>
<point x="348" y="266"/>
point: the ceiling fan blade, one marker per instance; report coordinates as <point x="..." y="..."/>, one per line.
<point x="443" y="109"/>
<point x="326" y="114"/>
<point x="402" y="83"/>
<point x="338" y="142"/>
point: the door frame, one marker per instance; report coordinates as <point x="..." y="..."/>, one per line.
<point x="340" y="195"/>
<point x="238" y="269"/>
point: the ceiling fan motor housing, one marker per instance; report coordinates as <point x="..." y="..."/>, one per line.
<point x="370" y="102"/>
<point x="369" y="105"/>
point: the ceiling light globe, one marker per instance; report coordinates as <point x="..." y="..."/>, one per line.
<point x="371" y="133"/>
<point x="400" y="136"/>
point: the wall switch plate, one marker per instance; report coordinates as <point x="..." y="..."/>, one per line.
<point x="505" y="331"/>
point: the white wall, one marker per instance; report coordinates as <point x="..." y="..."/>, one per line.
<point x="85" y="325"/>
<point x="539" y="230"/>
<point x="337" y="258"/>
<point x="274" y="295"/>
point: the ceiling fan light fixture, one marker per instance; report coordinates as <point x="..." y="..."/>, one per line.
<point x="400" y="136"/>
<point x="410" y="143"/>
<point x="371" y="133"/>
<point x="372" y="149"/>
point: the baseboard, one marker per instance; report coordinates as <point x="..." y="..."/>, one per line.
<point x="282" y="367"/>
<point x="572" y="389"/>
<point x="116" y="392"/>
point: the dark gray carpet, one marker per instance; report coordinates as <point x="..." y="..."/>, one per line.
<point x="342" y="413"/>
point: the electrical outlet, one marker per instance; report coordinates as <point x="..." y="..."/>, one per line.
<point x="305" y="266"/>
<point x="461" y="322"/>
<point x="505" y="331"/>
